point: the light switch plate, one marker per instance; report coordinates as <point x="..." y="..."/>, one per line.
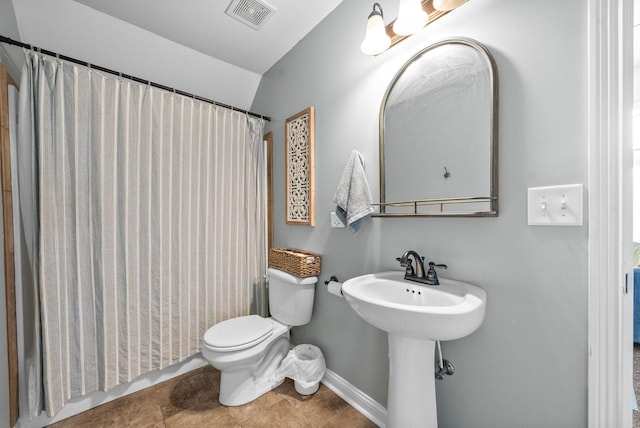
<point x="555" y="205"/>
<point x="335" y="220"/>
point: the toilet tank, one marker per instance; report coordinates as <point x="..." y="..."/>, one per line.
<point x="291" y="297"/>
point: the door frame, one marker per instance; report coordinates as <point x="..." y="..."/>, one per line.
<point x="268" y="139"/>
<point x="8" y="249"/>
<point x="610" y="311"/>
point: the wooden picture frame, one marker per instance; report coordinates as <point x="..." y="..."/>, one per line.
<point x="299" y="166"/>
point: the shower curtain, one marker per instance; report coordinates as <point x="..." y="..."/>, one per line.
<point x="144" y="218"/>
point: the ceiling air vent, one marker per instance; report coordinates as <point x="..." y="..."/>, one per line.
<point x="252" y="13"/>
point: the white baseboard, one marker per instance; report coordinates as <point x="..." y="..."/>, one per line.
<point x="366" y="405"/>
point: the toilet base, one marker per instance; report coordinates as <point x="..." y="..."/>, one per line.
<point x="243" y="386"/>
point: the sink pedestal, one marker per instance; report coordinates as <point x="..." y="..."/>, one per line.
<point x="412" y="389"/>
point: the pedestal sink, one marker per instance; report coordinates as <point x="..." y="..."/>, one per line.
<point x="415" y="316"/>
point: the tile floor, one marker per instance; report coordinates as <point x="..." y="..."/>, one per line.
<point x="191" y="400"/>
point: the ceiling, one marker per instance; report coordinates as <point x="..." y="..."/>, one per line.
<point x="202" y="25"/>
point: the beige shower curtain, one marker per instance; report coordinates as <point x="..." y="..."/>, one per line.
<point x="148" y="226"/>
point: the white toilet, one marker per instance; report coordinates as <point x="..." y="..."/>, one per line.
<point x="248" y="350"/>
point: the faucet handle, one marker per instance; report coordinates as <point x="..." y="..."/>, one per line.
<point x="432" y="276"/>
<point x="409" y="271"/>
<point x="441" y="266"/>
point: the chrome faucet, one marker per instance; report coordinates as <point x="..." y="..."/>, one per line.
<point x="410" y="259"/>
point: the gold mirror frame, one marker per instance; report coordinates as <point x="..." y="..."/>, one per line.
<point x="413" y="206"/>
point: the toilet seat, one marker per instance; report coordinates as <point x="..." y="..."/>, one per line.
<point x="239" y="333"/>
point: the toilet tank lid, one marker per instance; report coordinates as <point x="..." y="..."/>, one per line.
<point x="287" y="277"/>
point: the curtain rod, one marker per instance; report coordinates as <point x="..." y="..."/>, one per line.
<point x="9" y="41"/>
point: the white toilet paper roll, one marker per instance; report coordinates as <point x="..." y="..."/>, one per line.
<point x="335" y="288"/>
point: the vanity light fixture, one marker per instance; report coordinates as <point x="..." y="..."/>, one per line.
<point x="448" y="4"/>
<point x="413" y="15"/>
<point x="376" y="39"/>
<point x="411" y="18"/>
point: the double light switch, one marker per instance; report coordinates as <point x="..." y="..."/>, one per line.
<point x="555" y="205"/>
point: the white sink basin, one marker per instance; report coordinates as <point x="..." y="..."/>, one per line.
<point x="386" y="300"/>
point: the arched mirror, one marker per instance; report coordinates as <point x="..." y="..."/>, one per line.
<point x="438" y="134"/>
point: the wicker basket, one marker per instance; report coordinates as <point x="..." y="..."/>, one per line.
<point x="296" y="262"/>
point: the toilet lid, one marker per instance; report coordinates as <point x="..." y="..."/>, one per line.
<point x="238" y="333"/>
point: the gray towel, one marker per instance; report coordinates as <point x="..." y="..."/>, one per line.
<point x="353" y="197"/>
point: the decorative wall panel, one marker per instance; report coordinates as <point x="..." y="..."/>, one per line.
<point x="299" y="136"/>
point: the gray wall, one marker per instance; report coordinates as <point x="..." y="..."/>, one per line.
<point x="10" y="56"/>
<point x="527" y="365"/>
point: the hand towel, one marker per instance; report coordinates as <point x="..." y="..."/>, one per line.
<point x="353" y="196"/>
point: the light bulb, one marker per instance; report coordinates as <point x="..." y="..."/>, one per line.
<point x="411" y="18"/>
<point x="376" y="39"/>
